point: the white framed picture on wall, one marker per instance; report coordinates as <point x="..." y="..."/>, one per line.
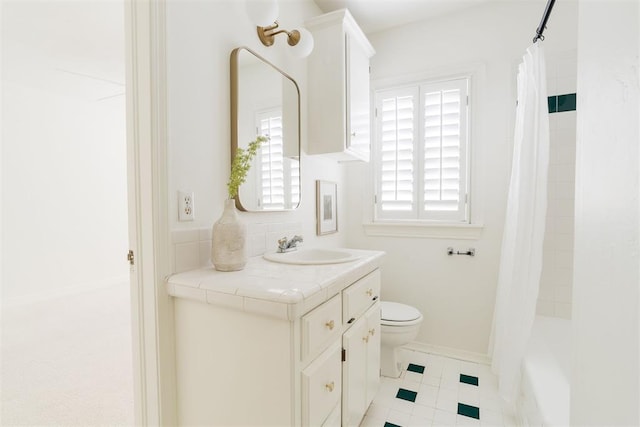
<point x="326" y="207"/>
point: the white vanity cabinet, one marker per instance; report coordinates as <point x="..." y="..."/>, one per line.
<point x="338" y="88"/>
<point x="241" y="361"/>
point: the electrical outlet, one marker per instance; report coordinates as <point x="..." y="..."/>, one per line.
<point x="185" y="206"/>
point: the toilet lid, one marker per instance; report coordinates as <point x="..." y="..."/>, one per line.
<point x="396" y="312"/>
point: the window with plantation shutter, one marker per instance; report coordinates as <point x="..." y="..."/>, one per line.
<point x="421" y="149"/>
<point x="278" y="180"/>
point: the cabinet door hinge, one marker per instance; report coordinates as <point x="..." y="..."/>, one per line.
<point x="344" y="355"/>
<point x="130" y="257"/>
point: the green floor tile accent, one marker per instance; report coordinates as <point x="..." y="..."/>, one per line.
<point x="388" y="424"/>
<point x="415" y="368"/>
<point x="469" y="411"/>
<point x="553" y="104"/>
<point x="468" y="379"/>
<point x="567" y="102"/>
<point x="405" y="394"/>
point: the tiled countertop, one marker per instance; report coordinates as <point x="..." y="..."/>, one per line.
<point x="272" y="289"/>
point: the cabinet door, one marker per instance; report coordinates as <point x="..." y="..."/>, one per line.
<point x="358" y="108"/>
<point x="373" y="352"/>
<point x="334" y="419"/>
<point x="354" y="373"/>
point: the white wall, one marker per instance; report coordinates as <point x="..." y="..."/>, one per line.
<point x="456" y="294"/>
<point x="64" y="210"/>
<point x="201" y="36"/>
<point x="605" y="379"/>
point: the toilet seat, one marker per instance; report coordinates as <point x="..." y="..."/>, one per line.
<point x="396" y="314"/>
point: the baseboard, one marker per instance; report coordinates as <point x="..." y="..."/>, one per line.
<point x="64" y="292"/>
<point x="454" y="353"/>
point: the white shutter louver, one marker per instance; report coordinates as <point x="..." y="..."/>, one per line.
<point x="271" y="162"/>
<point x="279" y="178"/>
<point x="397" y="153"/>
<point x="442" y="150"/>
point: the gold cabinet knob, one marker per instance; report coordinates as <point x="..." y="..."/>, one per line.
<point x="365" y="339"/>
<point x="330" y="324"/>
<point x="370" y="292"/>
<point x="330" y="386"/>
<point x="372" y="331"/>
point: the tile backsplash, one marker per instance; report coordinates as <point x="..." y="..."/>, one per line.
<point x="192" y="247"/>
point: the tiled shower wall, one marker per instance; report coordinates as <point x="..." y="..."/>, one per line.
<point x="554" y="298"/>
<point x="192" y="248"/>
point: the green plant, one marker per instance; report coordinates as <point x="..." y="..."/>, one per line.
<point x="241" y="164"/>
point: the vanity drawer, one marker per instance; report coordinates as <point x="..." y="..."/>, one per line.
<point x="321" y="325"/>
<point x="359" y="296"/>
<point x="322" y="386"/>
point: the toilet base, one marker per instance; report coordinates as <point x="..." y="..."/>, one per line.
<point x="390" y="364"/>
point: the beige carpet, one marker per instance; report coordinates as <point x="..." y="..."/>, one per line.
<point x="67" y="361"/>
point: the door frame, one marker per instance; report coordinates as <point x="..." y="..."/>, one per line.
<point x="149" y="235"/>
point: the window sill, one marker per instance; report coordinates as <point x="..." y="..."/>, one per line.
<point x="424" y="230"/>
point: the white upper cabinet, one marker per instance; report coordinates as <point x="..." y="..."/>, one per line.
<point x="338" y="88"/>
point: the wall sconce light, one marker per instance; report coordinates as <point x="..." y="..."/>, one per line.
<point x="264" y="14"/>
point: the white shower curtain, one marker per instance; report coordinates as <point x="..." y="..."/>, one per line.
<point x="521" y="258"/>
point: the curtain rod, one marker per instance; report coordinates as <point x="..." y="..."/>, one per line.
<point x="543" y="22"/>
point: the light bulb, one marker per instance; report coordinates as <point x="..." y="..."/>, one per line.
<point x="305" y="45"/>
<point x="262" y="13"/>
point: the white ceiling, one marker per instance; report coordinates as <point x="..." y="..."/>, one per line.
<point x="378" y="15"/>
<point x="65" y="45"/>
<point x="70" y="40"/>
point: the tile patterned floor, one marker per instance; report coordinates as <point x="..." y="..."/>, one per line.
<point x="438" y="391"/>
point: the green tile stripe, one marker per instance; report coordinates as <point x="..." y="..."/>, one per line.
<point x="468" y="379"/>
<point x="561" y="103"/>
<point x="469" y="411"/>
<point x="415" y="368"/>
<point x="567" y="102"/>
<point x="408" y="395"/>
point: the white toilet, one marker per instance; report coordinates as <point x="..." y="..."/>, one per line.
<point x="399" y="324"/>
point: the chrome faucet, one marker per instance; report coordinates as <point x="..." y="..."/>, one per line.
<point x="285" y="245"/>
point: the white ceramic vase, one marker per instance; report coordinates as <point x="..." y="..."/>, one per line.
<point x="229" y="240"/>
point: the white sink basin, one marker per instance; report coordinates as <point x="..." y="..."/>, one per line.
<point x="312" y="256"/>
